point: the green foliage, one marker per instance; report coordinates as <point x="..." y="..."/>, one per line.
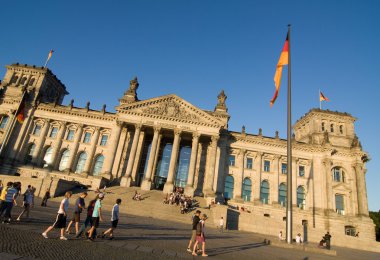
<point x="375" y="216"/>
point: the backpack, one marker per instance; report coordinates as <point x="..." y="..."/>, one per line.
<point x="199" y="229"/>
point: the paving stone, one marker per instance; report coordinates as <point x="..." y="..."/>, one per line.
<point x="130" y="246"/>
<point x="145" y="249"/>
<point x="6" y="256"/>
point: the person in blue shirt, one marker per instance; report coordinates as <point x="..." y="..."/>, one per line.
<point x="96" y="216"/>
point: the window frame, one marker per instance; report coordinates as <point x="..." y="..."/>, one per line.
<point x="37" y="130"/>
<point x="2" y="124"/>
<point x="87" y="137"/>
<point x="249" y="165"/>
<point x="266" y="168"/>
<point x="232" y="160"/>
<point x="102" y="143"/>
<point x="53" y="134"/>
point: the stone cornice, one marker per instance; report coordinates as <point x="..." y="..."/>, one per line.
<point x="332" y="115"/>
<point x="80" y="112"/>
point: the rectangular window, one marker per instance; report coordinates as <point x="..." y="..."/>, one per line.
<point x="249" y="163"/>
<point x="70" y="135"/>
<point x="104" y="140"/>
<point x="87" y="137"/>
<point x="232" y="160"/>
<point x="266" y="166"/>
<point x="37" y="130"/>
<point x="4" y="122"/>
<point x="301" y="171"/>
<point x="339" y="204"/>
<point x="53" y="133"/>
<point x="284" y="168"/>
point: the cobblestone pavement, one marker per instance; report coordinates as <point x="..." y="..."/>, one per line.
<point x="142" y="238"/>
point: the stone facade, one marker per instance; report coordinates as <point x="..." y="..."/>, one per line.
<point x="166" y="142"/>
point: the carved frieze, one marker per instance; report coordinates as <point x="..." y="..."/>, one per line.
<point x="170" y="109"/>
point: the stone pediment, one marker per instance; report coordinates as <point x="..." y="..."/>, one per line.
<point x="171" y="108"/>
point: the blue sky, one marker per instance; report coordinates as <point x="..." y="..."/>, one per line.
<point x="196" y="48"/>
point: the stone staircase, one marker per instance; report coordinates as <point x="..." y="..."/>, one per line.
<point x="151" y="205"/>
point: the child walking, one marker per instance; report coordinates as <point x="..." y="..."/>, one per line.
<point x="114" y="220"/>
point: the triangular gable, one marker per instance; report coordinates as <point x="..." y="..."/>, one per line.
<point x="172" y="108"/>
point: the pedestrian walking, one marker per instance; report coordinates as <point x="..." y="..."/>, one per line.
<point x="327" y="239"/>
<point x="79" y="206"/>
<point x="96" y="216"/>
<point x="88" y="220"/>
<point x="9" y="195"/>
<point x="28" y="202"/>
<point x="221" y="224"/>
<point x="45" y="198"/>
<point x="60" y="221"/>
<point x="195" y="221"/>
<point x="201" y="238"/>
<point x="114" y="220"/>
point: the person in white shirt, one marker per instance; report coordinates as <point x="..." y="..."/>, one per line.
<point x="221" y="224"/>
<point x="60" y="221"/>
<point x="298" y="238"/>
<point x="280" y="236"/>
<point x="114" y="220"/>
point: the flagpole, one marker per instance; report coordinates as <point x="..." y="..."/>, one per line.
<point x="289" y="205"/>
<point x="47" y="60"/>
<point x="13" y="122"/>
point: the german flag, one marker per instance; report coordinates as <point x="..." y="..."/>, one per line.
<point x="20" y="115"/>
<point x="323" y="97"/>
<point x="284" y="60"/>
<point x="50" y="54"/>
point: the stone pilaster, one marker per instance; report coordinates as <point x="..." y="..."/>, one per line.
<point x="258" y="165"/>
<point x="238" y="185"/>
<point x="74" y="150"/>
<point x="329" y="197"/>
<point x="189" y="189"/>
<point x="147" y="183"/>
<point x="91" y="152"/>
<point x="361" y="190"/>
<point x="57" y="146"/>
<point x="156" y="157"/>
<point x="173" y="162"/>
<point x="126" y="180"/>
<point x="140" y="147"/>
<point x="40" y="142"/>
<point x="277" y="172"/>
<point x="113" y="146"/>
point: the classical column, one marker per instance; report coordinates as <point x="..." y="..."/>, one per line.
<point x="60" y="136"/>
<point x="169" y="185"/>
<point x="112" y="148"/>
<point x="119" y="161"/>
<point x="156" y="157"/>
<point x="41" y="141"/>
<point x="209" y="178"/>
<point x="239" y="176"/>
<point x="361" y="190"/>
<point x="75" y="146"/>
<point x="189" y="189"/>
<point x="91" y="152"/>
<point x="140" y="147"/>
<point x="147" y="183"/>
<point x="127" y="177"/>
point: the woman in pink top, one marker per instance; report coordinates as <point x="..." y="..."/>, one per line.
<point x="200" y="238"/>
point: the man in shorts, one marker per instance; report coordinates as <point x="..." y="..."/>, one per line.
<point x="114" y="220"/>
<point x="96" y="216"/>
<point x="79" y="206"/>
<point x="60" y="221"/>
<point x="196" y="220"/>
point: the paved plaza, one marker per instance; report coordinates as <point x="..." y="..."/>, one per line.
<point x="144" y="238"/>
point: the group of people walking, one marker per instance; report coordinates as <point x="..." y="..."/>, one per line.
<point x="93" y="217"/>
<point x="198" y="234"/>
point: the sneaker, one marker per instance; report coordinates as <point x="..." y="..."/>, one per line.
<point x="63" y="238"/>
<point x="44" y="235"/>
<point x="86" y="234"/>
<point x="90" y="240"/>
<point x="189" y="250"/>
<point x="110" y="238"/>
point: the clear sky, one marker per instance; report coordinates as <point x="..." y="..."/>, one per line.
<point x="197" y="48"/>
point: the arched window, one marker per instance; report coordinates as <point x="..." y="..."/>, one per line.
<point x="264" y="192"/>
<point x="323" y="126"/>
<point x="98" y="165"/>
<point x="29" y="154"/>
<point x="341" y="129"/>
<point x="332" y="128"/>
<point x="282" y="189"/>
<point x="338" y="174"/>
<point x="14" y="79"/>
<point x="4" y="122"/>
<point x="64" y="160"/>
<point x="47" y="157"/>
<point x="247" y="189"/>
<point x="82" y="158"/>
<point x="23" y="80"/>
<point x="31" y="81"/>
<point x="301" y="197"/>
<point x="229" y="187"/>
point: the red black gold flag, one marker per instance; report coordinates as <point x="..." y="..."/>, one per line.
<point x="21" y="111"/>
<point x="284" y="60"/>
<point x="323" y="97"/>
